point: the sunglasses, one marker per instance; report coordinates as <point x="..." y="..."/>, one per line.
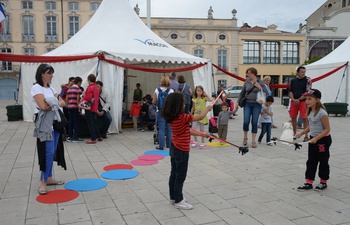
<point x="48" y="67"/>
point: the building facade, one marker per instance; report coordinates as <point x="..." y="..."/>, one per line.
<point x="272" y="52"/>
<point x="215" y="39"/>
<point x="326" y="28"/>
<point x="36" y="27"/>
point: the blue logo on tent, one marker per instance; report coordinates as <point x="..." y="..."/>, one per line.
<point x="151" y="42"/>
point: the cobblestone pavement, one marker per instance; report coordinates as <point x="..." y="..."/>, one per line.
<point x="223" y="186"/>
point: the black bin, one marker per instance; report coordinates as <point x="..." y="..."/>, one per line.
<point x="336" y="108"/>
<point x="14" y="112"/>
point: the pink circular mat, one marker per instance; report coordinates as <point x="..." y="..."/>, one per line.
<point x="151" y="157"/>
<point x="139" y="162"/>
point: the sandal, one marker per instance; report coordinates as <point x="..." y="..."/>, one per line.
<point x="245" y="141"/>
<point x="254" y="145"/>
<point x="55" y="183"/>
<point x="42" y="192"/>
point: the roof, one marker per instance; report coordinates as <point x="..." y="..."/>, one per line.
<point x="259" y="29"/>
<point x="116" y="29"/>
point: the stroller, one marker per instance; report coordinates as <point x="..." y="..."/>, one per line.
<point x="155" y="133"/>
<point x="213" y="128"/>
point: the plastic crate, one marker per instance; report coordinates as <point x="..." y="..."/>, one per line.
<point x="337" y="108"/>
<point x="14" y="112"/>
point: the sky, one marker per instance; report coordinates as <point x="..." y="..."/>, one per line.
<point x="286" y="14"/>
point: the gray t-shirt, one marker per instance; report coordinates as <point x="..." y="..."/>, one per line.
<point x="266" y="118"/>
<point x="315" y="123"/>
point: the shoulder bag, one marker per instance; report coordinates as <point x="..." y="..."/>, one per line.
<point x="243" y="100"/>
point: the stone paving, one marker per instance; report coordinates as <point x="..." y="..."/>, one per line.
<point x="223" y="186"/>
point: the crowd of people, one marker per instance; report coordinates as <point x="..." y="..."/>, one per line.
<point x="177" y="112"/>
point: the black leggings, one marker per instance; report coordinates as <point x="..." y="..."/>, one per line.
<point x="318" y="154"/>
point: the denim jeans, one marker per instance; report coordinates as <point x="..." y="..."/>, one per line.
<point x="265" y="129"/>
<point x="107" y="119"/>
<point x="92" y="124"/>
<point x="179" y="164"/>
<point x="73" y="125"/>
<point x="251" y="111"/>
<point x="164" y="129"/>
<point x="143" y="118"/>
<point x="50" y="150"/>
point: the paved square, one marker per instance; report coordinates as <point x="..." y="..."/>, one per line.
<point x="223" y="186"/>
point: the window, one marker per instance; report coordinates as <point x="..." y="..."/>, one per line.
<point x="28" y="25"/>
<point x="320" y="49"/>
<point x="49" y="49"/>
<point x="199" y="36"/>
<point x="291" y="53"/>
<point x="222" y="59"/>
<point x="5" y="26"/>
<point x="271" y="52"/>
<point x="50" y="5"/>
<point x="343" y="4"/>
<point x="5" y="65"/>
<point x="222" y="82"/>
<point x="73" y="6"/>
<point x="51" y="25"/>
<point x="73" y="25"/>
<point x="173" y="36"/>
<point x="198" y="53"/>
<point x="251" y="52"/>
<point x="27" y="5"/>
<point x="222" y="37"/>
<point x="94" y="6"/>
<point x="29" y="51"/>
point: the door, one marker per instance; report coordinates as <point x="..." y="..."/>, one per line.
<point x="8" y="89"/>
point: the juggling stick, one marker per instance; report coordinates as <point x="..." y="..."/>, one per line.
<point x="297" y="145"/>
<point x="241" y="149"/>
<point x="217" y="98"/>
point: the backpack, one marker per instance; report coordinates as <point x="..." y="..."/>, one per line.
<point x="152" y="112"/>
<point x="161" y="97"/>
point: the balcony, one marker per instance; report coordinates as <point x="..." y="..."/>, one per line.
<point x="51" y="38"/>
<point x="28" y="37"/>
<point x="5" y="37"/>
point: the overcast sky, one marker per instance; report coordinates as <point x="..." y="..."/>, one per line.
<point x="286" y="14"/>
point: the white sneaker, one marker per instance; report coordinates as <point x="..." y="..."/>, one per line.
<point x="172" y="201"/>
<point x="202" y="145"/>
<point x="183" y="205"/>
<point x="194" y="144"/>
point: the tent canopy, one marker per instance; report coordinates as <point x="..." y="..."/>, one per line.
<point x="116" y="29"/>
<point x="339" y="80"/>
<point x="120" y="34"/>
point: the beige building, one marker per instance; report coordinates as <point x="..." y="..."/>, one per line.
<point x="272" y="52"/>
<point x="36" y="27"/>
<point x="215" y="39"/>
<point x="326" y="28"/>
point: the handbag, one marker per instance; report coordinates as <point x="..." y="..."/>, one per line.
<point x="243" y="100"/>
<point x="59" y="126"/>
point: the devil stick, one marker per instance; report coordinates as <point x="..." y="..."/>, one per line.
<point x="241" y="149"/>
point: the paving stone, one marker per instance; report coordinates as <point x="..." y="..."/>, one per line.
<point x="326" y="214"/>
<point x="213" y="202"/>
<point x="286" y="210"/>
<point x="128" y="206"/>
<point x="200" y="215"/>
<point x="310" y="221"/>
<point x="163" y="210"/>
<point x="106" y="216"/>
<point x="73" y="214"/>
<point x="141" y="218"/>
<point x="235" y="216"/>
<point x="177" y="221"/>
<point x="272" y="218"/>
<point x="248" y="205"/>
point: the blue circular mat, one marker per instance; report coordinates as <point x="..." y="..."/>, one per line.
<point x="89" y="184"/>
<point x="159" y="152"/>
<point x="119" y="174"/>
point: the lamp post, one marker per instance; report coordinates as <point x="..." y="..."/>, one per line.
<point x="62" y="21"/>
<point x="149" y="14"/>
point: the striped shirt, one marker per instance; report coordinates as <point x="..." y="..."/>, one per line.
<point x="72" y="94"/>
<point x="180" y="128"/>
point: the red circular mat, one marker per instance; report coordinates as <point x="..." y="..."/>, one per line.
<point x="139" y="162"/>
<point x="118" y="167"/>
<point x="151" y="157"/>
<point x="57" y="196"/>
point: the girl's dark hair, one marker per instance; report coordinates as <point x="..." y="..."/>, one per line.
<point x="181" y="79"/>
<point x="195" y="91"/>
<point x="252" y="70"/>
<point x="173" y="106"/>
<point x="92" y="78"/>
<point x="42" y="68"/>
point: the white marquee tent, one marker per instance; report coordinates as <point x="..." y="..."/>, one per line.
<point x="330" y="85"/>
<point x="116" y="31"/>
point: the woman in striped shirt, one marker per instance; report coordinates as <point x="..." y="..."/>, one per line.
<point x="174" y="113"/>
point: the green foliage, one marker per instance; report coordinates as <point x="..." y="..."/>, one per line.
<point x="312" y="60"/>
